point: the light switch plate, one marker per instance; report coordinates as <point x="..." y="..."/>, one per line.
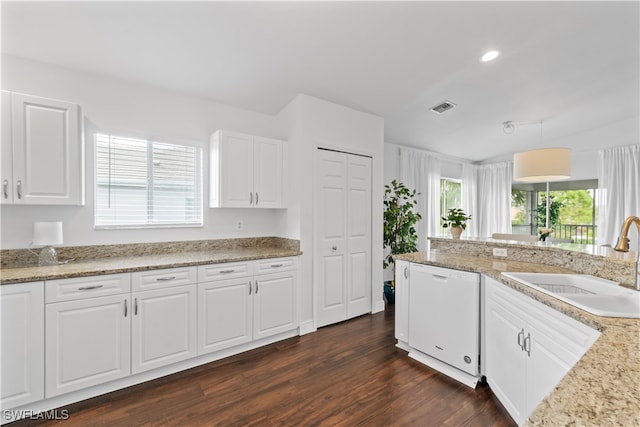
<point x="500" y="252"/>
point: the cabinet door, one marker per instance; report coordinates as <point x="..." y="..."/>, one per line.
<point x="402" y="301"/>
<point x="547" y="363"/>
<point x="88" y="343"/>
<point x="267" y="172"/>
<point x="505" y="359"/>
<point x="22" y="315"/>
<point x="225" y="313"/>
<point x="7" y="157"/>
<point x="47" y="151"/>
<point x="163" y="327"/>
<point x="274" y="304"/>
<point x="236" y="170"/>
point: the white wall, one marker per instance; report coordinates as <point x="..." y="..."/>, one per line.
<point x="316" y="123"/>
<point x="134" y="110"/>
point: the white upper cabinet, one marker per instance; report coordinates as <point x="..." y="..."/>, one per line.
<point x="245" y="171"/>
<point x="7" y="157"/>
<point x="43" y="139"/>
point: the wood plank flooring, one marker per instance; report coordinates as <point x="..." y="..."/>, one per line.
<point x="349" y="374"/>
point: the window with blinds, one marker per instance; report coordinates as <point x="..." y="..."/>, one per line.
<point x="143" y="183"/>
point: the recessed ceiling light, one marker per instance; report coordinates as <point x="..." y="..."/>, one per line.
<point x="490" y="56"/>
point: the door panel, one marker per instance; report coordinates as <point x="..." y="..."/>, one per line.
<point x="274" y="306"/>
<point x="359" y="236"/>
<point x="342" y="236"/>
<point x="87" y="343"/>
<point x="331" y="239"/>
<point x="47" y="151"/>
<point x="163" y="328"/>
<point x="236" y="180"/>
<point x="267" y="180"/>
<point x="225" y="313"/>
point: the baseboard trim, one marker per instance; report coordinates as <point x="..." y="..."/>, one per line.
<point x="378" y="306"/>
<point x="307" y="327"/>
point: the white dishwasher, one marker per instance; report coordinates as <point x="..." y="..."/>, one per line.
<point x="444" y="320"/>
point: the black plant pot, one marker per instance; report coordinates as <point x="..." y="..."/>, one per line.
<point x="389" y="293"/>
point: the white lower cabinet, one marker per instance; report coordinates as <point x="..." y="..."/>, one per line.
<point x="274" y="308"/>
<point x="22" y="329"/>
<point x="71" y="334"/>
<point x="529" y="348"/>
<point x="225" y="313"/>
<point x="163" y="327"/>
<point x="248" y="307"/>
<point x="402" y="303"/>
<point x="88" y="338"/>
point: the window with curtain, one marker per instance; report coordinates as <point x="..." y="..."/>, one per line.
<point x="141" y="183"/>
<point x="450" y="196"/>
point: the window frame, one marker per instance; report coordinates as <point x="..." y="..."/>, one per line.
<point x="199" y="172"/>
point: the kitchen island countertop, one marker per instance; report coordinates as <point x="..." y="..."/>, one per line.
<point x="603" y="388"/>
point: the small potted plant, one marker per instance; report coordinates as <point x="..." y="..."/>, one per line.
<point x="456" y="221"/>
<point x="400" y="219"/>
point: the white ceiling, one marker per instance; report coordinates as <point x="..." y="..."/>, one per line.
<point x="574" y="65"/>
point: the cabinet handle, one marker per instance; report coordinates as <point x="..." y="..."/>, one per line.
<point x="250" y="287"/>
<point x="250" y="198"/>
<point x="87" y="288"/>
<point x="125" y="308"/>
<point x="226" y="271"/>
<point x="256" y="287"/>
<point x="19" y="188"/>
<point x="334" y="248"/>
<point x="438" y="276"/>
<point x="406" y="273"/>
<point x="527" y="348"/>
<point x="5" y="188"/>
<point x="276" y="265"/>
<point x="135" y="306"/>
<point x="256" y="198"/>
<point x="165" y="279"/>
<point x="520" y="336"/>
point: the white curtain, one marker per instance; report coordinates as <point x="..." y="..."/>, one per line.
<point x="617" y="195"/>
<point x="494" y="198"/>
<point x="469" y="195"/>
<point x="421" y="171"/>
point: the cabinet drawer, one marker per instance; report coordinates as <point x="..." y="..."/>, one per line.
<point x="86" y="287"/>
<point x="165" y="278"/>
<point x="230" y="270"/>
<point x="275" y="265"/>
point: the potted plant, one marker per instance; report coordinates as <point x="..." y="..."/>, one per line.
<point x="399" y="219"/>
<point x="456" y="220"/>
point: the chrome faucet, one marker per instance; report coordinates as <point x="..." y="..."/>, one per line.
<point x="623" y="243"/>
<point x="623" y="240"/>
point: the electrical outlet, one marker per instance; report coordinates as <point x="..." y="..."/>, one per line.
<point x="239" y="224"/>
<point x="499" y="251"/>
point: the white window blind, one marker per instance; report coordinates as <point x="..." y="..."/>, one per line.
<point x="143" y="183"/>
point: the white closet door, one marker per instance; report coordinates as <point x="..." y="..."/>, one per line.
<point x="331" y="236"/>
<point x="359" y="236"/>
<point x="342" y="236"/>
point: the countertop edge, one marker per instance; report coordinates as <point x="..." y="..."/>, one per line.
<point x="97" y="267"/>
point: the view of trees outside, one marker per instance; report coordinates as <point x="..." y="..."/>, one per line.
<point x="571" y="213"/>
<point x="450" y="196"/>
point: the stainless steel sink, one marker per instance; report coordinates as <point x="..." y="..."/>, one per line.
<point x="595" y="295"/>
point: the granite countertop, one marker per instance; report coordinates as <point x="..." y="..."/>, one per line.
<point x="125" y="264"/>
<point x="603" y="388"/>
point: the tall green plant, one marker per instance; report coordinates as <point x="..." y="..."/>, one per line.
<point x="399" y="220"/>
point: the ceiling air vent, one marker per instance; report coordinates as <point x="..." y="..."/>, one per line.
<point x="443" y="106"/>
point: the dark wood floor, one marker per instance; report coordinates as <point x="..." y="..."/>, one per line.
<point x="349" y="374"/>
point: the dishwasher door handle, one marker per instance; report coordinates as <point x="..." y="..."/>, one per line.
<point x="440" y="277"/>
